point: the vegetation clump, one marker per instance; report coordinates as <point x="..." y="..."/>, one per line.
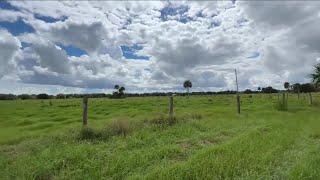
<point x="282" y="103"/>
<point x="196" y="116"/>
<point x="117" y="127"/>
<point x="187" y="85"/>
<point x="87" y="133"/>
<point x="119" y="92"/>
<point x="162" y="119"/>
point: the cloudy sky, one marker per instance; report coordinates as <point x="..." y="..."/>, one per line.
<point x="76" y="47"/>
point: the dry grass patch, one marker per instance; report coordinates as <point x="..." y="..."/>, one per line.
<point x="118" y="127"/>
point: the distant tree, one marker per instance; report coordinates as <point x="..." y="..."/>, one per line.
<point x="316" y="75"/>
<point x="24" y="96"/>
<point x="247" y="91"/>
<point x="259" y="88"/>
<point x="187" y="85"/>
<point x="286" y="85"/>
<point x="307" y="87"/>
<point x="61" y="96"/>
<point x="269" y="89"/>
<point x="119" y="93"/>
<point x="43" y="96"/>
<point x="7" y="97"/>
<point x="296" y="88"/>
<point x="121" y="90"/>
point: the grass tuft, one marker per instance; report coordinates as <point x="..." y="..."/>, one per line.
<point x="196" y="116"/>
<point x="162" y="119"/>
<point x="282" y="103"/>
<point x="88" y="133"/>
<point x="117" y="127"/>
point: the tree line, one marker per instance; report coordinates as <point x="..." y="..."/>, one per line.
<point x="303" y="88"/>
<point x="119" y="91"/>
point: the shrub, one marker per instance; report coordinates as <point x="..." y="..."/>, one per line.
<point x="117" y="127"/>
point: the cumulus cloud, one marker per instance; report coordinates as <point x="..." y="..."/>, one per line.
<point x="52" y="57"/>
<point x="88" y="37"/>
<point x="291" y="46"/>
<point x="9" y="46"/>
<point x="200" y="41"/>
<point x="178" y="58"/>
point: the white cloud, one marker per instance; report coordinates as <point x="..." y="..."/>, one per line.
<point x="53" y="58"/>
<point x="203" y="43"/>
<point x="9" y="47"/>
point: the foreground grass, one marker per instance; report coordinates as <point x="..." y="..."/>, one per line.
<point x="41" y="141"/>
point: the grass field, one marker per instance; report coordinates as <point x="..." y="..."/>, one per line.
<point x="208" y="141"/>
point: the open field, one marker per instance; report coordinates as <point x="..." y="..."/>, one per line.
<point x="208" y="141"/>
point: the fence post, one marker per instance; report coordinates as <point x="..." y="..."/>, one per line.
<point x="284" y="100"/>
<point x="238" y="96"/>
<point x="85" y="111"/>
<point x="238" y="103"/>
<point x="310" y="98"/>
<point x="171" y="109"/>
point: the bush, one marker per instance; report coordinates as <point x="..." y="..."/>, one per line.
<point x="117" y="127"/>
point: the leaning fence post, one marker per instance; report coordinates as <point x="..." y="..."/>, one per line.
<point x="85" y="111"/>
<point x="170" y="109"/>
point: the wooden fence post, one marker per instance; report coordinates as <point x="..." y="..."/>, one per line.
<point x="85" y="111"/>
<point x="238" y="103"/>
<point x="284" y="99"/>
<point x="310" y="98"/>
<point x="238" y="96"/>
<point x="171" y="109"/>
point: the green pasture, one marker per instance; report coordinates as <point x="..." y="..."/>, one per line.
<point x="39" y="139"/>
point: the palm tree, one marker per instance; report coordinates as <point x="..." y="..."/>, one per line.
<point x="187" y="85"/>
<point x="316" y="75"/>
<point x="286" y="85"/>
<point x="121" y="90"/>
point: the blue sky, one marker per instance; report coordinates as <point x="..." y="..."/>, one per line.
<point x="154" y="46"/>
<point x="130" y="52"/>
<point x="72" y="50"/>
<point x="18" y="27"/>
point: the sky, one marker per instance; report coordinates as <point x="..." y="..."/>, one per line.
<point x="88" y="47"/>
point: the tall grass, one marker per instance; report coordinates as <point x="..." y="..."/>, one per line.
<point x="282" y="103"/>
